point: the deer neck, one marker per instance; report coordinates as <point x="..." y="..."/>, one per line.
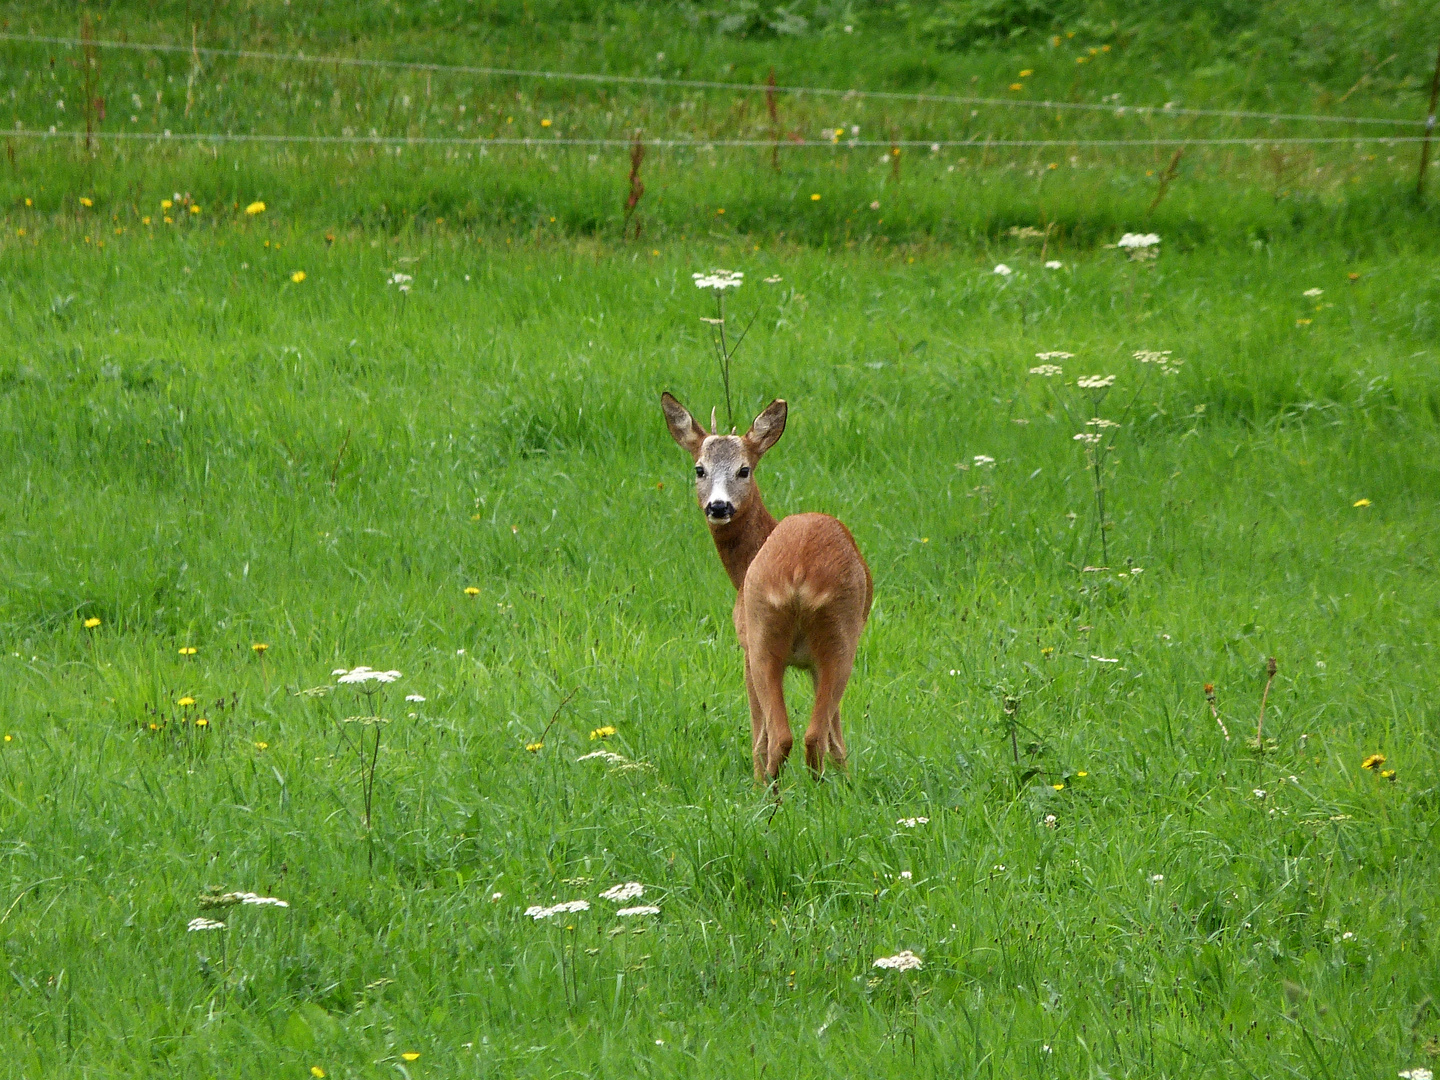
<point x="741" y="538"/>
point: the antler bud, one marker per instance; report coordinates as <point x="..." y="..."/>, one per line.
<point x="712" y="419"/>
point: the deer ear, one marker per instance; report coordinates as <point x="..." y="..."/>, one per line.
<point x="767" y="429"/>
<point x="683" y="427"/>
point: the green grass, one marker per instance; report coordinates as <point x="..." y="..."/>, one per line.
<point x="200" y="452"/>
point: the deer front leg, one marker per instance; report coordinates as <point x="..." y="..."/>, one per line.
<point x="759" y="738"/>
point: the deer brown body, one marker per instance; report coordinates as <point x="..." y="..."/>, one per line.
<point x="803" y="590"/>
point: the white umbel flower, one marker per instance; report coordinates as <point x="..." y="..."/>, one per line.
<point x="719" y="279"/>
<point x="620" y="893"/>
<point x="641" y="909"/>
<point x="902" y="961"/>
<point x="203" y="924"/>
<point x="1138" y="240"/>
<point x="363" y="674"/>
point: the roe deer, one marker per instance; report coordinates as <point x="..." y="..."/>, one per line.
<point x="803" y="589"/>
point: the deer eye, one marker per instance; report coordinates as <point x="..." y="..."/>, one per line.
<point x="699" y="470"/>
<point x="744" y="472"/>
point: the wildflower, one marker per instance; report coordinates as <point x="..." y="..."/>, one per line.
<point x="1156" y="879"/>
<point x="411" y="1055"/>
<point x="535" y="747"/>
<point x="363" y="674"/>
<point x="1047" y="370"/>
<point x="1387" y="774"/>
<point x="262" y="746"/>
<point x="1026" y="73"/>
<point x="253" y="209"/>
<point x="298" y="276"/>
<point x="719" y="279"/>
<point x="1017" y="86"/>
<point x="400" y="281"/>
<point x="911" y="822"/>
<point x="545" y="123"/>
<point x="875" y="205"/>
<point x="91" y="623"/>
<point x="317" y="1072"/>
<point x="1089" y="438"/>
<point x="471" y="590"/>
<point x="1312" y="293"/>
<point x="618" y="893"/>
<point x="774" y="279"/>
<point x="1002" y="270"/>
<point x="202" y="722"/>
<point x="1358" y="502"/>
<point x="1048" y="821"/>
<point x="537" y="912"/>
<point x="642" y="909"/>
<point x="1138" y="240"/>
<point x="415" y="697"/>
<point x="496" y="897"/>
<point x="1101" y="422"/>
<point x="145" y="220"/>
<point x="166" y="204"/>
<point x="194" y="208"/>
<point x="902" y="961"/>
<point x="1417" y="1073"/>
<point x="998" y="868"/>
<point x="1258" y="792"/>
<point x="184" y="701"/>
<point x="602" y="732"/>
<point x="905" y="875"/>
<point x="203" y="924"/>
<point x="815" y="197"/>
<point x="604" y="755"/>
<point x="1082" y="774"/>
<point x="1303" y="322"/>
<point x="1054" y="264"/>
<point x="1059" y="786"/>
<point x="169" y="220"/>
<point x="86" y="201"/>
<point x="188" y="650"/>
<point x="259" y="648"/>
<point x="1373" y="762"/>
<point x="1095" y="382"/>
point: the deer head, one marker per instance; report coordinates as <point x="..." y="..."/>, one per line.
<point x="724" y="464"/>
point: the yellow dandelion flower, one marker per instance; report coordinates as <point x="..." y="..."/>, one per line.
<point x="8" y="738"/>
<point x="1082" y="774"/>
<point x="1017" y="86"/>
<point x="1303" y="322"/>
<point x="166" y="204"/>
<point x="719" y="210"/>
<point x="471" y="590"/>
<point x="1081" y="59"/>
<point x="544" y="123"/>
<point x="154" y="727"/>
<point x="118" y="230"/>
<point x="145" y="220"/>
<point x="535" y="747"/>
<point x="815" y="197"/>
<point x="29" y="203"/>
<point x="91" y="623"/>
<point x="1361" y="502"/>
<point x="1387" y="774"/>
<point x="187" y="700"/>
<point x="86" y="201"/>
<point x="1373" y="762"/>
<point x="298" y="276"/>
<point x="602" y="732"/>
<point x="315" y="1070"/>
<point x="202" y="722"/>
<point x="410" y="1055"/>
<point x="253" y="209"/>
<point x="1058" y="787"/>
<point x="169" y="220"/>
<point x="262" y="746"/>
<point x="188" y="650"/>
<point x="194" y="208"/>
<point x="19" y="232"/>
<point x="1027" y="73"/>
<point x="259" y="648"/>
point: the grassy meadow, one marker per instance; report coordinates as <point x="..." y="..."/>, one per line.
<point x="231" y="429"/>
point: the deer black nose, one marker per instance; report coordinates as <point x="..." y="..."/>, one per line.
<point x="719" y="509"/>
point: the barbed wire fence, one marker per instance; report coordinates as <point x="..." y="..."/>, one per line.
<point x="1367" y="133"/>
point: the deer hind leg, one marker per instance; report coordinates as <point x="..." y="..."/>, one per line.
<point x="832" y="672"/>
<point x="759" y="736"/>
<point x="769" y="634"/>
